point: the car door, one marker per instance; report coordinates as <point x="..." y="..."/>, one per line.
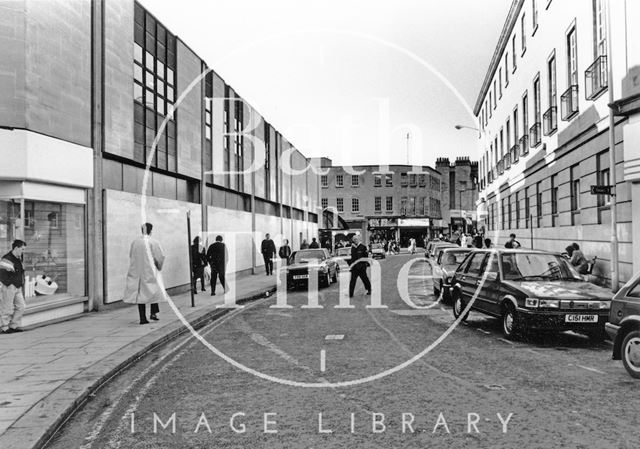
<point x="470" y="277"/>
<point x="489" y="294"/>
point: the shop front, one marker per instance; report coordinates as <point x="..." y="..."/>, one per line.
<point x="51" y="220"/>
<point x="382" y="229"/>
<point x="416" y="228"/>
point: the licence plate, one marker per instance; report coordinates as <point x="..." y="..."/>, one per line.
<point x="581" y="318"/>
<point x="301" y="276"/>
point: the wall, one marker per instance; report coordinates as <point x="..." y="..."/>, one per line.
<point x="122" y="226"/>
<point x="189" y="117"/>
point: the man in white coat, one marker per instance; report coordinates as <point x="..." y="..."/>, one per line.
<point x="143" y="285"/>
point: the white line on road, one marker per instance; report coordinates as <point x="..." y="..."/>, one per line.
<point x="323" y="354"/>
<point x="334" y="337"/>
<point x="506" y="341"/>
<point x="591" y="369"/>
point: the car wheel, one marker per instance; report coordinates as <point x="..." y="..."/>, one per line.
<point x="631" y="353"/>
<point x="335" y="276"/>
<point x="459" y="305"/>
<point x="510" y="321"/>
<point x="327" y="280"/>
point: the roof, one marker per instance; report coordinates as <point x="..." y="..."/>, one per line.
<point x="512" y="17"/>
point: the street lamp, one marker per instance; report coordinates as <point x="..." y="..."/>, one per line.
<point x="465" y="126"/>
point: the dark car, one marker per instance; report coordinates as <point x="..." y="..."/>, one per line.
<point x="444" y="267"/>
<point x="530" y="290"/>
<point x="624" y="326"/>
<point x="302" y="262"/>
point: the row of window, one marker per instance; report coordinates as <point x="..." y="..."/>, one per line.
<point x="410" y="206"/>
<point x="503" y="152"/>
<point x="406" y="179"/>
<point x="511" y="206"/>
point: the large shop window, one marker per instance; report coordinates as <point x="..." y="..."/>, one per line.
<point x="54" y="260"/>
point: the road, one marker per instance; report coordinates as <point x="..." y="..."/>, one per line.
<point x="474" y="389"/>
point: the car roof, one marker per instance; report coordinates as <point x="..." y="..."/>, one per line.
<point x="515" y="251"/>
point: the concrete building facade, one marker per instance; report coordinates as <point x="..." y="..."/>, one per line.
<point x="95" y="141"/>
<point x="544" y="130"/>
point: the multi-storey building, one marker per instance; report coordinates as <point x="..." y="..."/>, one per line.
<point x="459" y="193"/>
<point x="543" y="122"/>
<point x="99" y="132"/>
<point x="384" y="202"/>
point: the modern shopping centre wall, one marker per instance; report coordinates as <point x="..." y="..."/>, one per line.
<point x="122" y="226"/>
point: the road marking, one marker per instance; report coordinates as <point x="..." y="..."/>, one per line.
<point x="419" y="276"/>
<point x="334" y="337"/>
<point x="483" y="331"/>
<point x="591" y="369"/>
<point x="323" y="355"/>
<point x="506" y="341"/>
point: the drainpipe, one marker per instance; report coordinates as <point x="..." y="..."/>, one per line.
<point x="612" y="157"/>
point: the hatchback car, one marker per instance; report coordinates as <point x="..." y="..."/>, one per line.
<point x="530" y="290"/>
<point x="307" y="261"/>
<point x="344" y="254"/>
<point x="432" y="250"/>
<point x="624" y="326"/>
<point x="444" y="267"/>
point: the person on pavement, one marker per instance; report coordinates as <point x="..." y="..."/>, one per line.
<point x="198" y="262"/>
<point x="304" y="244"/>
<point x="217" y="257"/>
<point x="268" y="250"/>
<point x="142" y="285"/>
<point x="358" y="268"/>
<point x="314" y="244"/>
<point x="285" y="251"/>
<point x="487" y="243"/>
<point x="512" y="243"/>
<point x="578" y="260"/>
<point x="12" y="302"/>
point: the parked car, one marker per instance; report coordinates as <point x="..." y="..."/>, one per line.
<point x="531" y="291"/>
<point x="377" y="251"/>
<point x="624" y="326"/>
<point x="432" y="250"/>
<point x="344" y="254"/>
<point x="444" y="267"/>
<point x="306" y="260"/>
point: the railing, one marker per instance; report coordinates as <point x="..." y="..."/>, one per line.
<point x="507" y="161"/>
<point x="534" y="135"/>
<point x="550" y="120"/>
<point x="500" y="167"/>
<point x="569" y="103"/>
<point x="595" y="78"/>
<point x="515" y="153"/>
<point x="524" y="145"/>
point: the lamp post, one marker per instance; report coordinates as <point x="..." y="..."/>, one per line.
<point x="459" y="127"/>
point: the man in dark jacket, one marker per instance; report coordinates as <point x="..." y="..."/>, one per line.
<point x="217" y="256"/>
<point x="12" y="302"/>
<point x="268" y="250"/>
<point x="198" y="262"/>
<point x="358" y="269"/>
<point x="314" y="244"/>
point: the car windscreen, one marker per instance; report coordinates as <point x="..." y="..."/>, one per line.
<point x="537" y="266"/>
<point x="453" y="257"/>
<point x="308" y="256"/>
<point x="376" y="246"/>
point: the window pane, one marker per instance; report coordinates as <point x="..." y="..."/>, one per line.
<point x="138" y="112"/>
<point x="170" y="76"/>
<point x="151" y="25"/>
<point x="170" y="93"/>
<point x="150" y="43"/>
<point x="137" y="73"/>
<point x="160" y="69"/>
<point x="150" y="80"/>
<point x="162" y="51"/>
<point x="160" y="105"/>
<point x="137" y="92"/>
<point x="149" y="98"/>
<point x="138" y="34"/>
<point x="150" y="120"/>
<point x="137" y="53"/>
<point x="160" y="88"/>
<point x="149" y="61"/>
<point x="162" y="35"/>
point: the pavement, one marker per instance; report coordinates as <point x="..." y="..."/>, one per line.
<point x="47" y="372"/>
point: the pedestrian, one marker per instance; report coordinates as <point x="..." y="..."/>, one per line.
<point x="327" y="245"/>
<point x="463" y="240"/>
<point x="578" y="260"/>
<point x="268" y="250"/>
<point x="143" y="285"/>
<point x="198" y="262"/>
<point x="304" y="244"/>
<point x="487" y="243"/>
<point x="314" y="244"/>
<point x="358" y="268"/>
<point x="217" y="256"/>
<point x="12" y="302"/>
<point x="412" y="245"/>
<point x="512" y="243"/>
<point x="477" y="241"/>
<point x="285" y="251"/>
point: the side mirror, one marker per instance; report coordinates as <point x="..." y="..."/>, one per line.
<point x="492" y="276"/>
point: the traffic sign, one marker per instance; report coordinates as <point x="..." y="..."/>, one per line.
<point x="601" y="190"/>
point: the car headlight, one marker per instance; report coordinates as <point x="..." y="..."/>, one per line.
<point x="605" y="304"/>
<point x="531" y="302"/>
<point x="551" y="303"/>
<point x="448" y="279"/>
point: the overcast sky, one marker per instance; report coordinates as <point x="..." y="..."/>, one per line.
<point x="348" y="79"/>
